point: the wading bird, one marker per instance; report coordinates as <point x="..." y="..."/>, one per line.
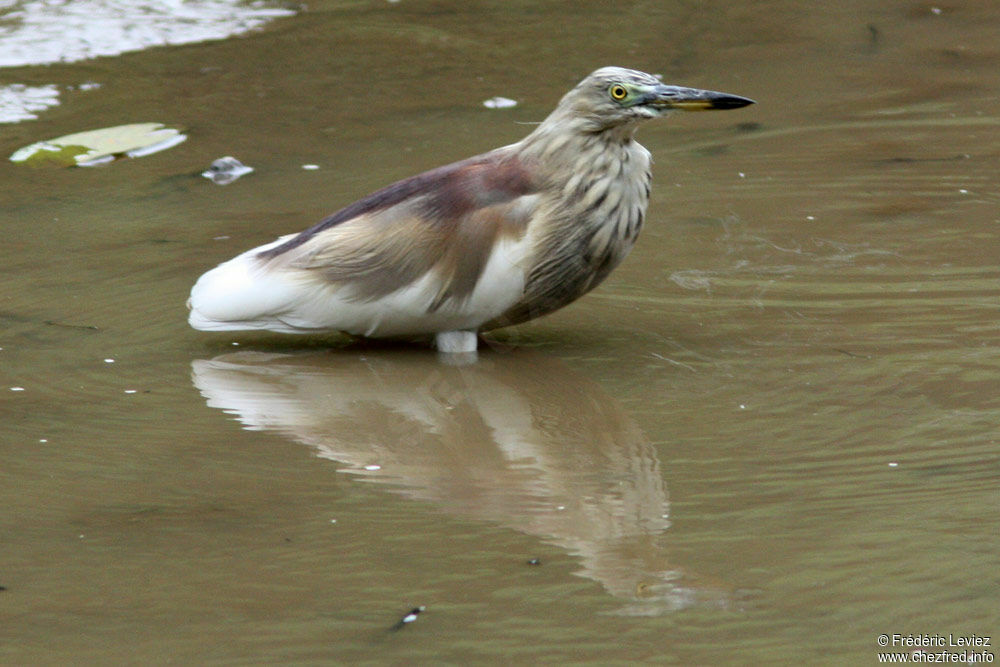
<point x="494" y="240"/>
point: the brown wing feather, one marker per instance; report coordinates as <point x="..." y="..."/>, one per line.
<point x="445" y="220"/>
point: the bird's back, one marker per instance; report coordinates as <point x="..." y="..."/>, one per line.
<point x="441" y="250"/>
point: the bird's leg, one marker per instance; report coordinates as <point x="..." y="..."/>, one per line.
<point x="456" y="342"/>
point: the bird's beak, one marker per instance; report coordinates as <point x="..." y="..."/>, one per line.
<point x="691" y="99"/>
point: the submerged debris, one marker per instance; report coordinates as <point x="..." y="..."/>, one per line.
<point x="225" y="170"/>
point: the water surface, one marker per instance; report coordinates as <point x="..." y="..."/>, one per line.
<point x="771" y="436"/>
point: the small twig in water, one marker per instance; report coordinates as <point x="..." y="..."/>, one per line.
<point x="674" y="362"/>
<point x="89" y="327"/>
<point x="852" y="354"/>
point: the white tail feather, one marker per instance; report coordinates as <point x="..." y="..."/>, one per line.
<point x="248" y="294"/>
<point x="241" y="294"/>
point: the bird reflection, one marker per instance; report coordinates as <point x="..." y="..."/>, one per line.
<point x="516" y="439"/>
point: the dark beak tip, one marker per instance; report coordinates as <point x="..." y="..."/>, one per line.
<point x="731" y="102"/>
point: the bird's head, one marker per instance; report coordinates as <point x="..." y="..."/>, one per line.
<point x="615" y="96"/>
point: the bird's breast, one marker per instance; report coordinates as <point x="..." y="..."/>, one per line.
<point x="611" y="197"/>
<point x="585" y="225"/>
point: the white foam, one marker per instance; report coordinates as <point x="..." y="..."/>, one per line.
<point x="20" y="102"/>
<point x="38" y="32"/>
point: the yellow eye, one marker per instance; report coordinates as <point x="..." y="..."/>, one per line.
<point x="618" y="92"/>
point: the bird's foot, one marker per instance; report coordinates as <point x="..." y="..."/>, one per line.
<point x="456" y="342"/>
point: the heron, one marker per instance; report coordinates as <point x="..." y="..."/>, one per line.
<point x="487" y="242"/>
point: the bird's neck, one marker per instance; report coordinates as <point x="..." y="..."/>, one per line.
<point x="585" y="167"/>
<point x="564" y="144"/>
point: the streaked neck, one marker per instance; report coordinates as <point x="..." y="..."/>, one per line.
<point x="565" y="145"/>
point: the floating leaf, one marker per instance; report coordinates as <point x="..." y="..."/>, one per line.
<point x="86" y="149"/>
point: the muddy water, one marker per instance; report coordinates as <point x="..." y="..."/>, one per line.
<point x="772" y="435"/>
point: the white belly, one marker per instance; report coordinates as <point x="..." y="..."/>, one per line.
<point x="245" y="294"/>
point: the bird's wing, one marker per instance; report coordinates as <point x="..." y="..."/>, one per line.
<point x="446" y="220"/>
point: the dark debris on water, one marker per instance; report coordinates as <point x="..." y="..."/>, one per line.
<point x="408" y="618"/>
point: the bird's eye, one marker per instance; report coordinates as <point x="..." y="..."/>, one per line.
<point x="618" y="92"/>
